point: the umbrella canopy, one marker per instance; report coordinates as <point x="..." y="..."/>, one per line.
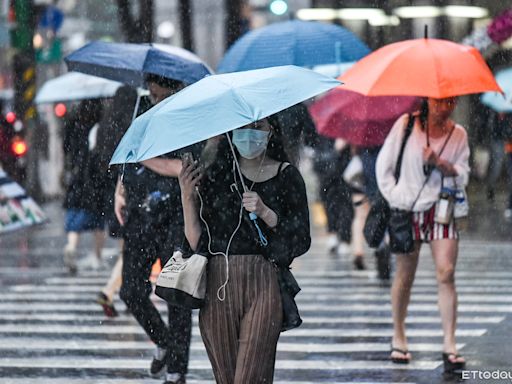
<point x="333" y="70"/>
<point x="360" y="120"/>
<point x="76" y="86"/>
<point x="215" y="105"/>
<point x="496" y="101"/>
<point x="301" y="43"/>
<point x="421" y="67"/>
<point x="128" y="63"/>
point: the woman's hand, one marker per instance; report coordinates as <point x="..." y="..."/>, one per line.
<point x="189" y="178"/>
<point x="429" y="156"/>
<point x="253" y="203"/>
<point x="119" y="202"/>
<point x="445" y="167"/>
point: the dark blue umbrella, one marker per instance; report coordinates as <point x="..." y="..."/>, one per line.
<point x="128" y="63"/>
<point x="301" y="43"/>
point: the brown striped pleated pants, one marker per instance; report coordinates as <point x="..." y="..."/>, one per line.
<point x="241" y="332"/>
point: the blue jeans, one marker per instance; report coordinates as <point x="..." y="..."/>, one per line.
<point x="369" y="158"/>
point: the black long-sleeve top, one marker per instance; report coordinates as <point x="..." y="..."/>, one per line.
<point x="284" y="193"/>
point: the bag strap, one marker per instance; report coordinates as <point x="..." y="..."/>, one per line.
<point x="407" y="133"/>
<point x="432" y="169"/>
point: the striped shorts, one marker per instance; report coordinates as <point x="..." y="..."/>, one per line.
<point x="426" y="229"/>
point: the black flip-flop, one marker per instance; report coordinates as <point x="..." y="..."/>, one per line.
<point x="453" y="366"/>
<point x="400" y="360"/>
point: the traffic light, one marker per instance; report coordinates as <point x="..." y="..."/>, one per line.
<point x="24" y="76"/>
<point x="18" y="146"/>
<point x="22" y="20"/>
<point x="60" y="110"/>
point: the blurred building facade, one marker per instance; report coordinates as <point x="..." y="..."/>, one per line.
<point x="377" y="22"/>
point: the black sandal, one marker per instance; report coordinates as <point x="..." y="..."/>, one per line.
<point x="453" y="366"/>
<point x="400" y="360"/>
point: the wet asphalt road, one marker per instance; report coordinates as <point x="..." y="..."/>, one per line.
<point x="52" y="331"/>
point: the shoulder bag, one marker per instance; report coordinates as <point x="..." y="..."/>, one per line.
<point x="182" y="281"/>
<point x="379" y="216"/>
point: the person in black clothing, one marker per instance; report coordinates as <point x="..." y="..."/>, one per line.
<point x="243" y="313"/>
<point x="80" y="195"/>
<point x="382" y="254"/>
<point x="148" y="206"/>
<point x="334" y="192"/>
<point x="110" y="131"/>
<point x="298" y="129"/>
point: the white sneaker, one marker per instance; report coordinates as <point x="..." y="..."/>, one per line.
<point x="90" y="262"/>
<point x="70" y="260"/>
<point x="344" y="249"/>
<point x="332" y="243"/>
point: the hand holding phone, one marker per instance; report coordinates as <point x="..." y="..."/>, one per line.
<point x="189" y="176"/>
<point x="187" y="158"/>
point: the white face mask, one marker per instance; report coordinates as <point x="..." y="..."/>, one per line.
<point x="250" y="143"/>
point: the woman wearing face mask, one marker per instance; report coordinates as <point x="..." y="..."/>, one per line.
<point x="243" y="315"/>
<point x="436" y="154"/>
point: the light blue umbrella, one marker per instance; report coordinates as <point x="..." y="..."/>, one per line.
<point x="497" y="101"/>
<point x="215" y="105"/>
<point x="296" y="42"/>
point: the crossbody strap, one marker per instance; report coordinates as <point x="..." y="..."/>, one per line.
<point x="407" y="133"/>
<point x="432" y="169"/>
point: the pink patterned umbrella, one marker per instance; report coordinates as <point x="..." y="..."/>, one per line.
<point x="361" y="120"/>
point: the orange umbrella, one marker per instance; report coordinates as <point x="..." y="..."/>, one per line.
<point x="421" y="67"/>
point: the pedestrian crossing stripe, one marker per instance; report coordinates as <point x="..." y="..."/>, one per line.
<point x="298" y="272"/>
<point x="66" y="317"/>
<point x="299" y="332"/>
<point x="324" y="289"/>
<point x="31" y="343"/>
<point x="304" y="297"/>
<point x="79" y="362"/>
<point x="14" y="307"/>
<point x="305" y="282"/>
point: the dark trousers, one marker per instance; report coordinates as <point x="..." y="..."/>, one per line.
<point x="143" y="244"/>
<point x="336" y="197"/>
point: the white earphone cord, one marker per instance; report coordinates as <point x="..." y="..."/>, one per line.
<point x="221" y="292"/>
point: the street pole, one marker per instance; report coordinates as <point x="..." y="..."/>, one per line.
<point x="24" y="78"/>
<point x="233" y="21"/>
<point x="185" y="12"/>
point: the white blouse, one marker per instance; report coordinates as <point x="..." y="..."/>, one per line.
<point x="402" y="194"/>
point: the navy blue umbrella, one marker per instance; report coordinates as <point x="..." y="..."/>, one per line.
<point x="301" y="43"/>
<point x="128" y="63"/>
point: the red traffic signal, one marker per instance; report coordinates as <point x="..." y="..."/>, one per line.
<point x="10" y="117"/>
<point x="19" y="146"/>
<point x="60" y="110"/>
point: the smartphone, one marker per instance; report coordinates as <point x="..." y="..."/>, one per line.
<point x="187" y="158"/>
